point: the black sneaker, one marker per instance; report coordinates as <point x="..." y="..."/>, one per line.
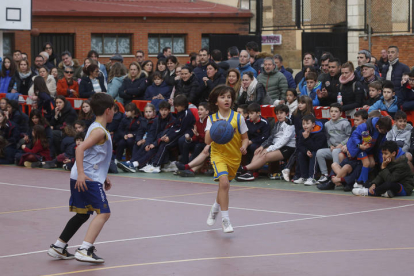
<point x="240" y="171"/>
<point x="326" y="186"/>
<point x="348" y="188"/>
<point x="60" y="253"/>
<point x="49" y="165"/>
<point x="88" y="255"/>
<point x="180" y="166"/>
<point x="245" y="177"/>
<point x="186" y="173"/>
<point x="37" y="164"/>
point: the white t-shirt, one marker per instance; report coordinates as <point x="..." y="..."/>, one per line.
<point x="243" y="126"/>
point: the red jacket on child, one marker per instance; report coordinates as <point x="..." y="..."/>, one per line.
<point x="39" y="150"/>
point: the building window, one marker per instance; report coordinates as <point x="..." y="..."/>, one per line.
<point x="205" y="41"/>
<point x="306" y="16"/>
<point x="109" y="44"/>
<point x="157" y="42"/>
<point x="8" y="44"/>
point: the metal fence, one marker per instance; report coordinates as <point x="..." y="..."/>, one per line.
<point x="388" y="16"/>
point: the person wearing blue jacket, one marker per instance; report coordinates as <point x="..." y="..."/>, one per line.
<point x="158" y="91"/>
<point x="279" y="63"/>
<point x="311" y="139"/>
<point x="388" y="102"/>
<point x="309" y="85"/>
<point x="244" y="65"/>
<point x="365" y="141"/>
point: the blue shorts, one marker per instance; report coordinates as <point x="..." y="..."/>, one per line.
<point x="89" y="201"/>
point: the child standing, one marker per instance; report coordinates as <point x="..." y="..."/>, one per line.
<point x="388" y="102"/>
<point x="225" y="158"/>
<point x="88" y="179"/>
<point x="337" y="132"/>
<point x="395" y="177"/>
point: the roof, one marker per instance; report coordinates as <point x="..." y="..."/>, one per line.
<point x="121" y="8"/>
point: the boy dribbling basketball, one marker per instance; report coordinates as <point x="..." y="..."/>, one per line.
<point x="226" y="158"/>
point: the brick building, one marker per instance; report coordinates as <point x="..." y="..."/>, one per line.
<point x="110" y="26"/>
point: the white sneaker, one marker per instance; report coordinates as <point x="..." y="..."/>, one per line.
<point x="323" y="179"/>
<point x="153" y="169"/>
<point x="310" y="182"/>
<point x="356" y="185"/>
<point x="88" y="255"/>
<point x="145" y="168"/>
<point x="286" y="174"/>
<point x="360" y="191"/>
<point x="227" y="228"/>
<point x="300" y="181"/>
<point x="170" y="167"/>
<point x="60" y="253"/>
<point x="212" y="217"/>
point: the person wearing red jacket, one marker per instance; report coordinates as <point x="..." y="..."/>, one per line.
<point x="40" y="150"/>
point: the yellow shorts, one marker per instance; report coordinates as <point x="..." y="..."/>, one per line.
<point x="222" y="168"/>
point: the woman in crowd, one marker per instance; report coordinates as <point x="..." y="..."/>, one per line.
<point x="49" y="80"/>
<point x="188" y="85"/>
<point x="53" y="59"/>
<point x="172" y="64"/>
<point x="134" y="85"/>
<point x="253" y="91"/>
<point x="42" y="97"/>
<point x="23" y="77"/>
<point x="351" y="89"/>
<point x="92" y="82"/>
<point x="214" y="78"/>
<point x="7" y="75"/>
<point x="234" y="80"/>
<point x="148" y="68"/>
<point x="67" y="86"/>
<point x="115" y="78"/>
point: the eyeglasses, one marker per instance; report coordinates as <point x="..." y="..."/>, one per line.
<point x="69" y="72"/>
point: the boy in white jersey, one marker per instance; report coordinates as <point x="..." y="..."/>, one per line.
<point x="88" y="179"/>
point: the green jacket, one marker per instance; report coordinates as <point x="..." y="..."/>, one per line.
<point x="397" y="171"/>
<point x="275" y="84"/>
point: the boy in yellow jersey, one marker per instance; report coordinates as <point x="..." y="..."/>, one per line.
<point x="225" y="158"/>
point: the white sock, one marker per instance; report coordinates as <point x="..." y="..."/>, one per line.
<point x="135" y="163"/>
<point x="60" y="244"/>
<point x="216" y="206"/>
<point x="225" y="215"/>
<point x="86" y="245"/>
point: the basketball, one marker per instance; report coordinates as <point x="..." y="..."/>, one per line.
<point x="35" y="32"/>
<point x="221" y="132"/>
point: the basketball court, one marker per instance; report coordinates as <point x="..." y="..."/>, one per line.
<point x="158" y="227"/>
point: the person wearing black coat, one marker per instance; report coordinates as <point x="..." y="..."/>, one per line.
<point x="188" y="85"/>
<point x="214" y="78"/>
<point x="395" y="69"/>
<point x="351" y="89"/>
<point x="10" y="133"/>
<point x="134" y="85"/>
<point x="23" y="78"/>
<point x="86" y="86"/>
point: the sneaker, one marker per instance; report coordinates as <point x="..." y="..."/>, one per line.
<point x="88" y="255"/>
<point x="240" y="171"/>
<point x="37" y="164"/>
<point x="212" y="217"/>
<point x="170" y="167"/>
<point x="300" y="180"/>
<point x="116" y="161"/>
<point x="323" y="179"/>
<point x="275" y="176"/>
<point x="360" y="191"/>
<point x="245" y="177"/>
<point x="348" y="188"/>
<point x="28" y="164"/>
<point x="286" y="174"/>
<point x="153" y="169"/>
<point x="60" y="253"/>
<point x="388" y="194"/>
<point x="310" y="182"/>
<point x="326" y="186"/>
<point x="49" y="165"/>
<point x="65" y="167"/>
<point x="179" y="166"/>
<point x="358" y="185"/>
<point x="227" y="228"/>
<point x="126" y="166"/>
<point x="146" y="167"/>
<point x="186" y="173"/>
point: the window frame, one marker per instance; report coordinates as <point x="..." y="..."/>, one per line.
<point x="12" y="44"/>
<point x="184" y="36"/>
<point x="102" y="35"/>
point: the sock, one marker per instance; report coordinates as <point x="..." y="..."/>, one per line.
<point x="187" y="167"/>
<point x="244" y="168"/>
<point x="216" y="206"/>
<point x="343" y="180"/>
<point x="135" y="164"/>
<point x="363" y="177"/>
<point x="86" y="245"/>
<point x="225" y="215"/>
<point x="60" y="244"/>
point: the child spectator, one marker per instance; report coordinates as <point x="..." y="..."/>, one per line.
<point x="116" y="121"/>
<point x="144" y="128"/>
<point x="388" y="101"/>
<point x="406" y="95"/>
<point x="337" y="132"/>
<point x="291" y="100"/>
<point x="311" y="139"/>
<point x="86" y="114"/>
<point x="36" y="118"/>
<point x="158" y="91"/>
<point x="365" y="142"/>
<point x="68" y="163"/>
<point x="19" y="118"/>
<point x="125" y="135"/>
<point x="79" y="126"/>
<point x="242" y="109"/>
<point x="258" y="129"/>
<point x="10" y="133"/>
<point x="39" y="151"/>
<point x="279" y="146"/>
<point x="312" y="85"/>
<point x="375" y="91"/>
<point x="42" y="97"/>
<point x="395" y="177"/>
<point x="3" y="104"/>
<point x="196" y="144"/>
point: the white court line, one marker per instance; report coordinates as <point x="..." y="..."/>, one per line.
<point x="217" y="229"/>
<point x="168" y="201"/>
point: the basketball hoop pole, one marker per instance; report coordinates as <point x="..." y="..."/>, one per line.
<point x="1" y="44"/>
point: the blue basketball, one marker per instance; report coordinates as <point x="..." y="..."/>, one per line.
<point x="221" y="132"/>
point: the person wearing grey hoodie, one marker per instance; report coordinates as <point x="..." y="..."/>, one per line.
<point x="337" y="130"/>
<point x="401" y="131"/>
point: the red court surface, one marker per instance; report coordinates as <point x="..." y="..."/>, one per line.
<point x="158" y="227"/>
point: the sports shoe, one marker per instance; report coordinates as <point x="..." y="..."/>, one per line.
<point x="28" y="164"/>
<point x="126" y="166"/>
<point x="301" y="180"/>
<point x="310" y="182"/>
<point x="323" y="179"/>
<point x="153" y="169"/>
<point x="60" y="253"/>
<point x="186" y="173"/>
<point x="388" y="194"/>
<point x="170" y="167"/>
<point x="180" y="166"/>
<point x="88" y="255"/>
<point x="212" y="217"/>
<point x="146" y="167"/>
<point x="116" y="161"/>
<point x="37" y="164"/>
<point x="360" y="191"/>
<point x="65" y="167"/>
<point x="245" y="177"/>
<point x="326" y="186"/>
<point x="49" y="165"/>
<point x="358" y="185"/>
<point x="286" y="174"/>
<point x="227" y="228"/>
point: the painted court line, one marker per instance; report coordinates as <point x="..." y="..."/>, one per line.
<point x="216" y="229"/>
<point x="234" y="257"/>
<point x="171" y="201"/>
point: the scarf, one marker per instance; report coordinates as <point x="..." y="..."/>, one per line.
<point x="389" y="73"/>
<point x="251" y="89"/>
<point x="72" y="63"/>
<point x="345" y="81"/>
<point x="24" y="75"/>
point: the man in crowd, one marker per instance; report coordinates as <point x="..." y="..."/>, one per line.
<point x="253" y="49"/>
<point x="166" y="52"/>
<point x="274" y="82"/>
<point x="244" y="64"/>
<point x="330" y="84"/>
<point x="201" y="70"/>
<point x="216" y="56"/>
<point x="38" y="62"/>
<point x="233" y="57"/>
<point x="67" y="60"/>
<point x="17" y="56"/>
<point x="92" y="54"/>
<point x="140" y="56"/>
<point x="309" y="59"/>
<point x="279" y="64"/>
<point x="383" y="61"/>
<point x="368" y="76"/>
<point x="395" y="69"/>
